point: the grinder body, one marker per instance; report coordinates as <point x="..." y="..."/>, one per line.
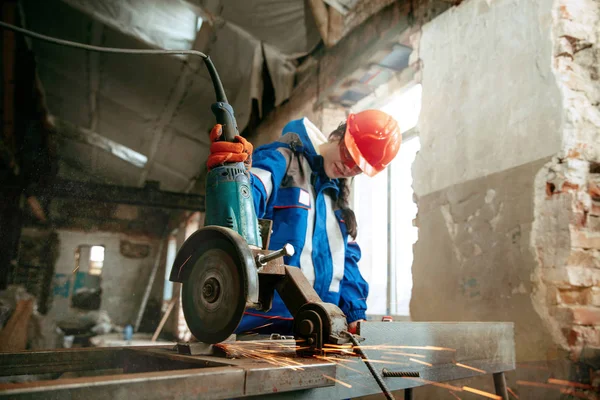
<point x="229" y="202"/>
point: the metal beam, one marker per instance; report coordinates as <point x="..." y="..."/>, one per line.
<point x="150" y="195"/>
<point x="443" y="352"/>
<point x="486" y="347"/>
<point x="87" y="136"/>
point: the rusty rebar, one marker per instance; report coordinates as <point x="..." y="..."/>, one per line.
<point x="388" y="395"/>
<point x="386" y="373"/>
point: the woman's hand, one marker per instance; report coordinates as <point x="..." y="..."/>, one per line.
<point x="228" y="152"/>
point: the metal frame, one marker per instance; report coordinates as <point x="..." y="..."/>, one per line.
<point x="160" y="372"/>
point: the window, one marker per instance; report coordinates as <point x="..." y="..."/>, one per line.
<point x="171" y="254"/>
<point x="96" y="260"/>
<point x="385" y="212"/>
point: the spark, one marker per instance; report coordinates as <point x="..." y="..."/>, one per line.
<point x="568" y="391"/>
<point x="338" y="346"/>
<point x="386" y="347"/>
<point x="513" y="393"/>
<point x="262" y="326"/>
<point x="338" y="381"/>
<point x="421" y="362"/>
<point x="335" y="361"/>
<point x="386" y="362"/>
<point x="471" y="368"/>
<point x="438" y="384"/>
<point x="406" y="354"/>
<point x="185" y="262"/>
<point x="455" y="396"/>
<point x="481" y="393"/>
<point x="266" y="355"/>
<point x="569" y="383"/>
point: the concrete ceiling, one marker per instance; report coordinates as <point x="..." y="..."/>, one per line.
<point x="127" y="119"/>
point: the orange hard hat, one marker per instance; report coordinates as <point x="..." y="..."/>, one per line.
<point x="372" y="139"/>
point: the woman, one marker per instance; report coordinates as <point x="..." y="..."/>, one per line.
<point x="302" y="182"/>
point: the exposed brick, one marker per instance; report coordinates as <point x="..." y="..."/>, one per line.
<point x="580" y="335"/>
<point x="585" y="239"/>
<point x="593" y="223"/>
<point x="578" y="315"/>
<point x="574" y="296"/>
<point x="593" y="296"/>
<point x="584" y="258"/>
<point x="594" y="190"/>
<point x="572" y="276"/>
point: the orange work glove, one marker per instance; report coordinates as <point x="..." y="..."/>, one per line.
<point x="228" y="152"/>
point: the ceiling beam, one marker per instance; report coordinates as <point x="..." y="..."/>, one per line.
<point x="149" y="196"/>
<point x="87" y="136"/>
<point x="96" y="31"/>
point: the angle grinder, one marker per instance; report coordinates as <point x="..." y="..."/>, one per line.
<point x="225" y="266"/>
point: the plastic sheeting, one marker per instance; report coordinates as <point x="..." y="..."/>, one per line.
<point x="159" y="106"/>
<point x="166" y="24"/>
<point x="287" y="25"/>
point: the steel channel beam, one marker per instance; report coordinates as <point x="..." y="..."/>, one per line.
<point x="61" y="360"/>
<point x="219" y="378"/>
<point x="203" y="383"/>
<point x="149" y="195"/>
<point x="488" y="346"/>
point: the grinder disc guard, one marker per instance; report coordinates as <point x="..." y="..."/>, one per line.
<point x="222" y="280"/>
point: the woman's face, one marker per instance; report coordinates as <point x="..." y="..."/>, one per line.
<point x="337" y="161"/>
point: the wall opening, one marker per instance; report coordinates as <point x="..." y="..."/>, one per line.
<point x="171" y="254"/>
<point x="96" y="260"/>
<point x="385" y="211"/>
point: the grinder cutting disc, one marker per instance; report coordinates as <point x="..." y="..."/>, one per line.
<point x="221" y="280"/>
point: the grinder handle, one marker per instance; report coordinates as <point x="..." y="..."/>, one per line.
<point x="224" y="114"/>
<point x="222" y="109"/>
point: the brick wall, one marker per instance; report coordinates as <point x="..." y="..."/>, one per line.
<point x="567" y="228"/>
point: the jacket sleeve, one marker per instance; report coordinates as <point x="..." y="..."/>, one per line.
<point x="268" y="170"/>
<point x="354" y="289"/>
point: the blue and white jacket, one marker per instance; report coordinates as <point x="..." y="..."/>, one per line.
<point x="290" y="188"/>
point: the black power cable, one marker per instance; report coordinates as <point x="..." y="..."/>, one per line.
<point x="224" y="113"/>
<point x="100" y="49"/>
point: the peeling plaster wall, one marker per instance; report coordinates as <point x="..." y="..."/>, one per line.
<point x="490" y="100"/>
<point x="508" y="177"/>
<point x="490" y="120"/>
<point x="124" y="279"/>
<point x="473" y="253"/>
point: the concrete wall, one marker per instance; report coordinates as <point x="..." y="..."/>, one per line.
<point x="492" y="118"/>
<point x="490" y="99"/>
<point x="124" y="279"/>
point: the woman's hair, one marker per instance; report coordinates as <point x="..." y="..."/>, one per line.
<point x="344" y="185"/>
